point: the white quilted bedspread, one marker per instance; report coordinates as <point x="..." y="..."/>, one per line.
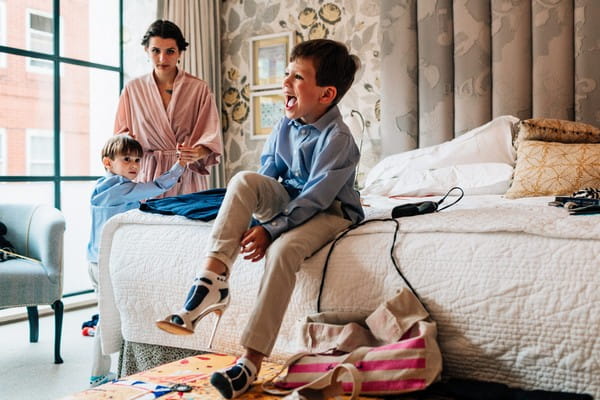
<point x="513" y="286"/>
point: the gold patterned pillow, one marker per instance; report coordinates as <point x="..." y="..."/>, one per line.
<point x="556" y="130"/>
<point x="553" y="169"/>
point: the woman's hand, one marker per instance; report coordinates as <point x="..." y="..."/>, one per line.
<point x="255" y="242"/>
<point x="184" y="158"/>
<point x="192" y="154"/>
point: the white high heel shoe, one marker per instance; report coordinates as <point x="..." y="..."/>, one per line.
<point x="209" y="294"/>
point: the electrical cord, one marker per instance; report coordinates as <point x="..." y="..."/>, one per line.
<point x="344" y="233"/>
<point x="398" y="211"/>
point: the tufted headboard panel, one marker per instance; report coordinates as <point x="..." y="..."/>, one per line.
<point x="451" y="65"/>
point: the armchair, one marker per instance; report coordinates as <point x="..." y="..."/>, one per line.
<point x="36" y="232"/>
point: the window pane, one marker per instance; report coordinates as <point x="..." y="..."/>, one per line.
<point x="89" y="99"/>
<point x="2" y="151"/>
<point x="137" y="16"/>
<point x="90" y="30"/>
<point x="39" y="31"/>
<point x="26" y="101"/>
<point x="40" y="152"/>
<point x="27" y="192"/>
<point x="41" y="23"/>
<point x="76" y="209"/>
<point x="19" y="15"/>
<point x="2" y="31"/>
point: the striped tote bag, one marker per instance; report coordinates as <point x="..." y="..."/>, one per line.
<point x="393" y="351"/>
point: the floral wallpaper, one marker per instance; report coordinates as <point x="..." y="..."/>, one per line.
<point x="353" y="22"/>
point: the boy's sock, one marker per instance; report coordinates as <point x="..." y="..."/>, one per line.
<point x="233" y="381"/>
<point x="99" y="380"/>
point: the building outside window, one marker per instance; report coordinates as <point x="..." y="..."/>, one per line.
<point x="2" y="32"/>
<point x="40" y="38"/>
<point x="53" y="125"/>
<point x="2" y="151"/>
<point x="40" y="152"/>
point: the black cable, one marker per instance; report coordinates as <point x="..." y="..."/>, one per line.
<point x="344" y="233"/>
<point x="462" y="193"/>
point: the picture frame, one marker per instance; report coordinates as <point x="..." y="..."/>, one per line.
<point x="266" y="109"/>
<point x="268" y="59"/>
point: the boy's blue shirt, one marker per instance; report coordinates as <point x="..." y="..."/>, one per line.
<point x="115" y="194"/>
<point x="317" y="165"/>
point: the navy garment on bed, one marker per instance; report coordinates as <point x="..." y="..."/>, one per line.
<point x="202" y="205"/>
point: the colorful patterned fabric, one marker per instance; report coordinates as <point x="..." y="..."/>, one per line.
<point x="194" y="371"/>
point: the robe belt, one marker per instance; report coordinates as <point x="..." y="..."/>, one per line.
<point x="163" y="152"/>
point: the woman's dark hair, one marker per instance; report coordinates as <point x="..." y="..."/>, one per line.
<point x="334" y="65"/>
<point x="166" y="30"/>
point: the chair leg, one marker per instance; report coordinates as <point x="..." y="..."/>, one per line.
<point x="34" y="326"/>
<point x="58" y="307"/>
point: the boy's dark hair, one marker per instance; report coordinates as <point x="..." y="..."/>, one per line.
<point x="334" y="65"/>
<point x="119" y="145"/>
<point x="166" y="30"/>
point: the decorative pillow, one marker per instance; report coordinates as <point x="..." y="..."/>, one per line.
<point x="552" y="169"/>
<point x="557" y="130"/>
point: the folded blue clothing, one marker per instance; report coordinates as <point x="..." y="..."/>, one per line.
<point x="202" y="205"/>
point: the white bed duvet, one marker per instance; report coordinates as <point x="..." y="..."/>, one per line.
<point x="512" y="284"/>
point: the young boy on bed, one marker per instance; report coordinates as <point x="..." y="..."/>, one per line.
<point x="303" y="196"/>
<point x="113" y="194"/>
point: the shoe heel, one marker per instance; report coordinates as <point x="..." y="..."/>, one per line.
<point x="219" y="314"/>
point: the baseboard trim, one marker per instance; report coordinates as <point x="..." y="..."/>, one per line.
<point x="16" y="314"/>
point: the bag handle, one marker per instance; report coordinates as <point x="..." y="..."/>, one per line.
<point x="269" y="384"/>
<point x="328" y="385"/>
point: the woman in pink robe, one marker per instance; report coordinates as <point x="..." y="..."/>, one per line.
<point x="170" y="111"/>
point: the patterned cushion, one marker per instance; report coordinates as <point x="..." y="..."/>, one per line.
<point x="551" y="169"/>
<point x="557" y="130"/>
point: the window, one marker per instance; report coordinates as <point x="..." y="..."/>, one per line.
<point x="2" y="151"/>
<point x="40" y="152"/>
<point x="40" y="37"/>
<point x="53" y="125"/>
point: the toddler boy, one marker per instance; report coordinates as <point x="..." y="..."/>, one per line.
<point x="113" y="194"/>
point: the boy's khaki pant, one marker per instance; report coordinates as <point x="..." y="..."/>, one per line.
<point x="248" y="194"/>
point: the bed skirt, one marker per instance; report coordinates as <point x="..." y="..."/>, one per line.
<point x="136" y="357"/>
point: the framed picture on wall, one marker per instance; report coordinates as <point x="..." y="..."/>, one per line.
<point x="268" y="59"/>
<point x="266" y="109"/>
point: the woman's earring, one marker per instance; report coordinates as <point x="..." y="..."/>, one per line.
<point x="179" y="61"/>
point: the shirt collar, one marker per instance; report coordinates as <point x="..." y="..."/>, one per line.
<point x="332" y="114"/>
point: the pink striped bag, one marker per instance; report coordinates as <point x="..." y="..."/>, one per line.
<point x="395" y="353"/>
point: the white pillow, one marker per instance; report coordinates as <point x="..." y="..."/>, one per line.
<point x="489" y="143"/>
<point x="474" y="179"/>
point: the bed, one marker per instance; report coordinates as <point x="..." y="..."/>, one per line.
<point x="511" y="281"/>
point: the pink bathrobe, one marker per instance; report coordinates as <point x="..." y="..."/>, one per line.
<point x="191" y="118"/>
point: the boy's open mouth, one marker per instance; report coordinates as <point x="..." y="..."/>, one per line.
<point x="290" y="101"/>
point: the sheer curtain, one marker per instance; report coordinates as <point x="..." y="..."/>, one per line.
<point x="200" y="23"/>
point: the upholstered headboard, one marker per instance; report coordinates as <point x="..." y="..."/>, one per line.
<point x="451" y="65"/>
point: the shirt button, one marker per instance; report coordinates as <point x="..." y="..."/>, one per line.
<point x="286" y="210"/>
<point x="274" y="223"/>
